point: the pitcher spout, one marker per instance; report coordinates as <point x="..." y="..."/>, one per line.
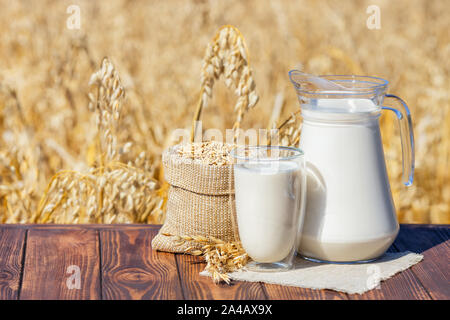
<point x="308" y="82"/>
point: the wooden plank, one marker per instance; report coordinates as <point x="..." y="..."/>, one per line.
<point x="276" y="292"/>
<point x="12" y="243"/>
<point x="434" y="271"/>
<point x="402" y="286"/>
<point x="128" y="272"/>
<point x="53" y="260"/>
<point x="443" y="232"/>
<point x="197" y="287"/>
<point x="132" y="270"/>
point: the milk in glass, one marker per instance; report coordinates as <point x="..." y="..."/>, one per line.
<point x="269" y="197"/>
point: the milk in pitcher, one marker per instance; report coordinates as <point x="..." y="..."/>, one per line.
<point x="344" y="221"/>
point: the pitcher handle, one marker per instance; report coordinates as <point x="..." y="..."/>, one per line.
<point x="407" y="139"/>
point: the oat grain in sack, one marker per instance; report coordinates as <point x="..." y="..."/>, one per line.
<point x="201" y="195"/>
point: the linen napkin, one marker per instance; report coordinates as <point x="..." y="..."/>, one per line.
<point x="348" y="278"/>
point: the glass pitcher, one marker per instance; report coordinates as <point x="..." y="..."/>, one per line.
<point x="350" y="215"/>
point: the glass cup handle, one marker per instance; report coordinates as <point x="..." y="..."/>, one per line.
<point x="407" y="138"/>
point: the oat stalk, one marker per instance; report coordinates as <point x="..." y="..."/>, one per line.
<point x="113" y="192"/>
<point x="221" y="257"/>
<point x="227" y="55"/>
<point x="289" y="131"/>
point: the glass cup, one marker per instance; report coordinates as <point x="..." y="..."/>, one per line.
<point x="270" y="187"/>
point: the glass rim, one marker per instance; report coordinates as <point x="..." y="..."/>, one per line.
<point x="298" y="153"/>
<point x="376" y="84"/>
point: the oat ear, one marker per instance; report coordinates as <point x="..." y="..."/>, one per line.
<point x="227" y="55"/>
<point x="221" y="257"/>
<point x="110" y="191"/>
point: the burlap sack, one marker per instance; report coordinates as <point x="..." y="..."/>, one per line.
<point x="200" y="202"/>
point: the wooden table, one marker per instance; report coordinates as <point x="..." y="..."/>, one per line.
<point x="117" y="262"/>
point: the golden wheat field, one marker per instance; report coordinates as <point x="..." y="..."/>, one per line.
<point x="81" y="137"/>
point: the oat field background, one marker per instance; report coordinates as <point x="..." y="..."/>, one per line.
<point x="52" y="167"/>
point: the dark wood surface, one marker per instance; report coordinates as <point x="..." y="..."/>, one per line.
<point x="117" y="262"/>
